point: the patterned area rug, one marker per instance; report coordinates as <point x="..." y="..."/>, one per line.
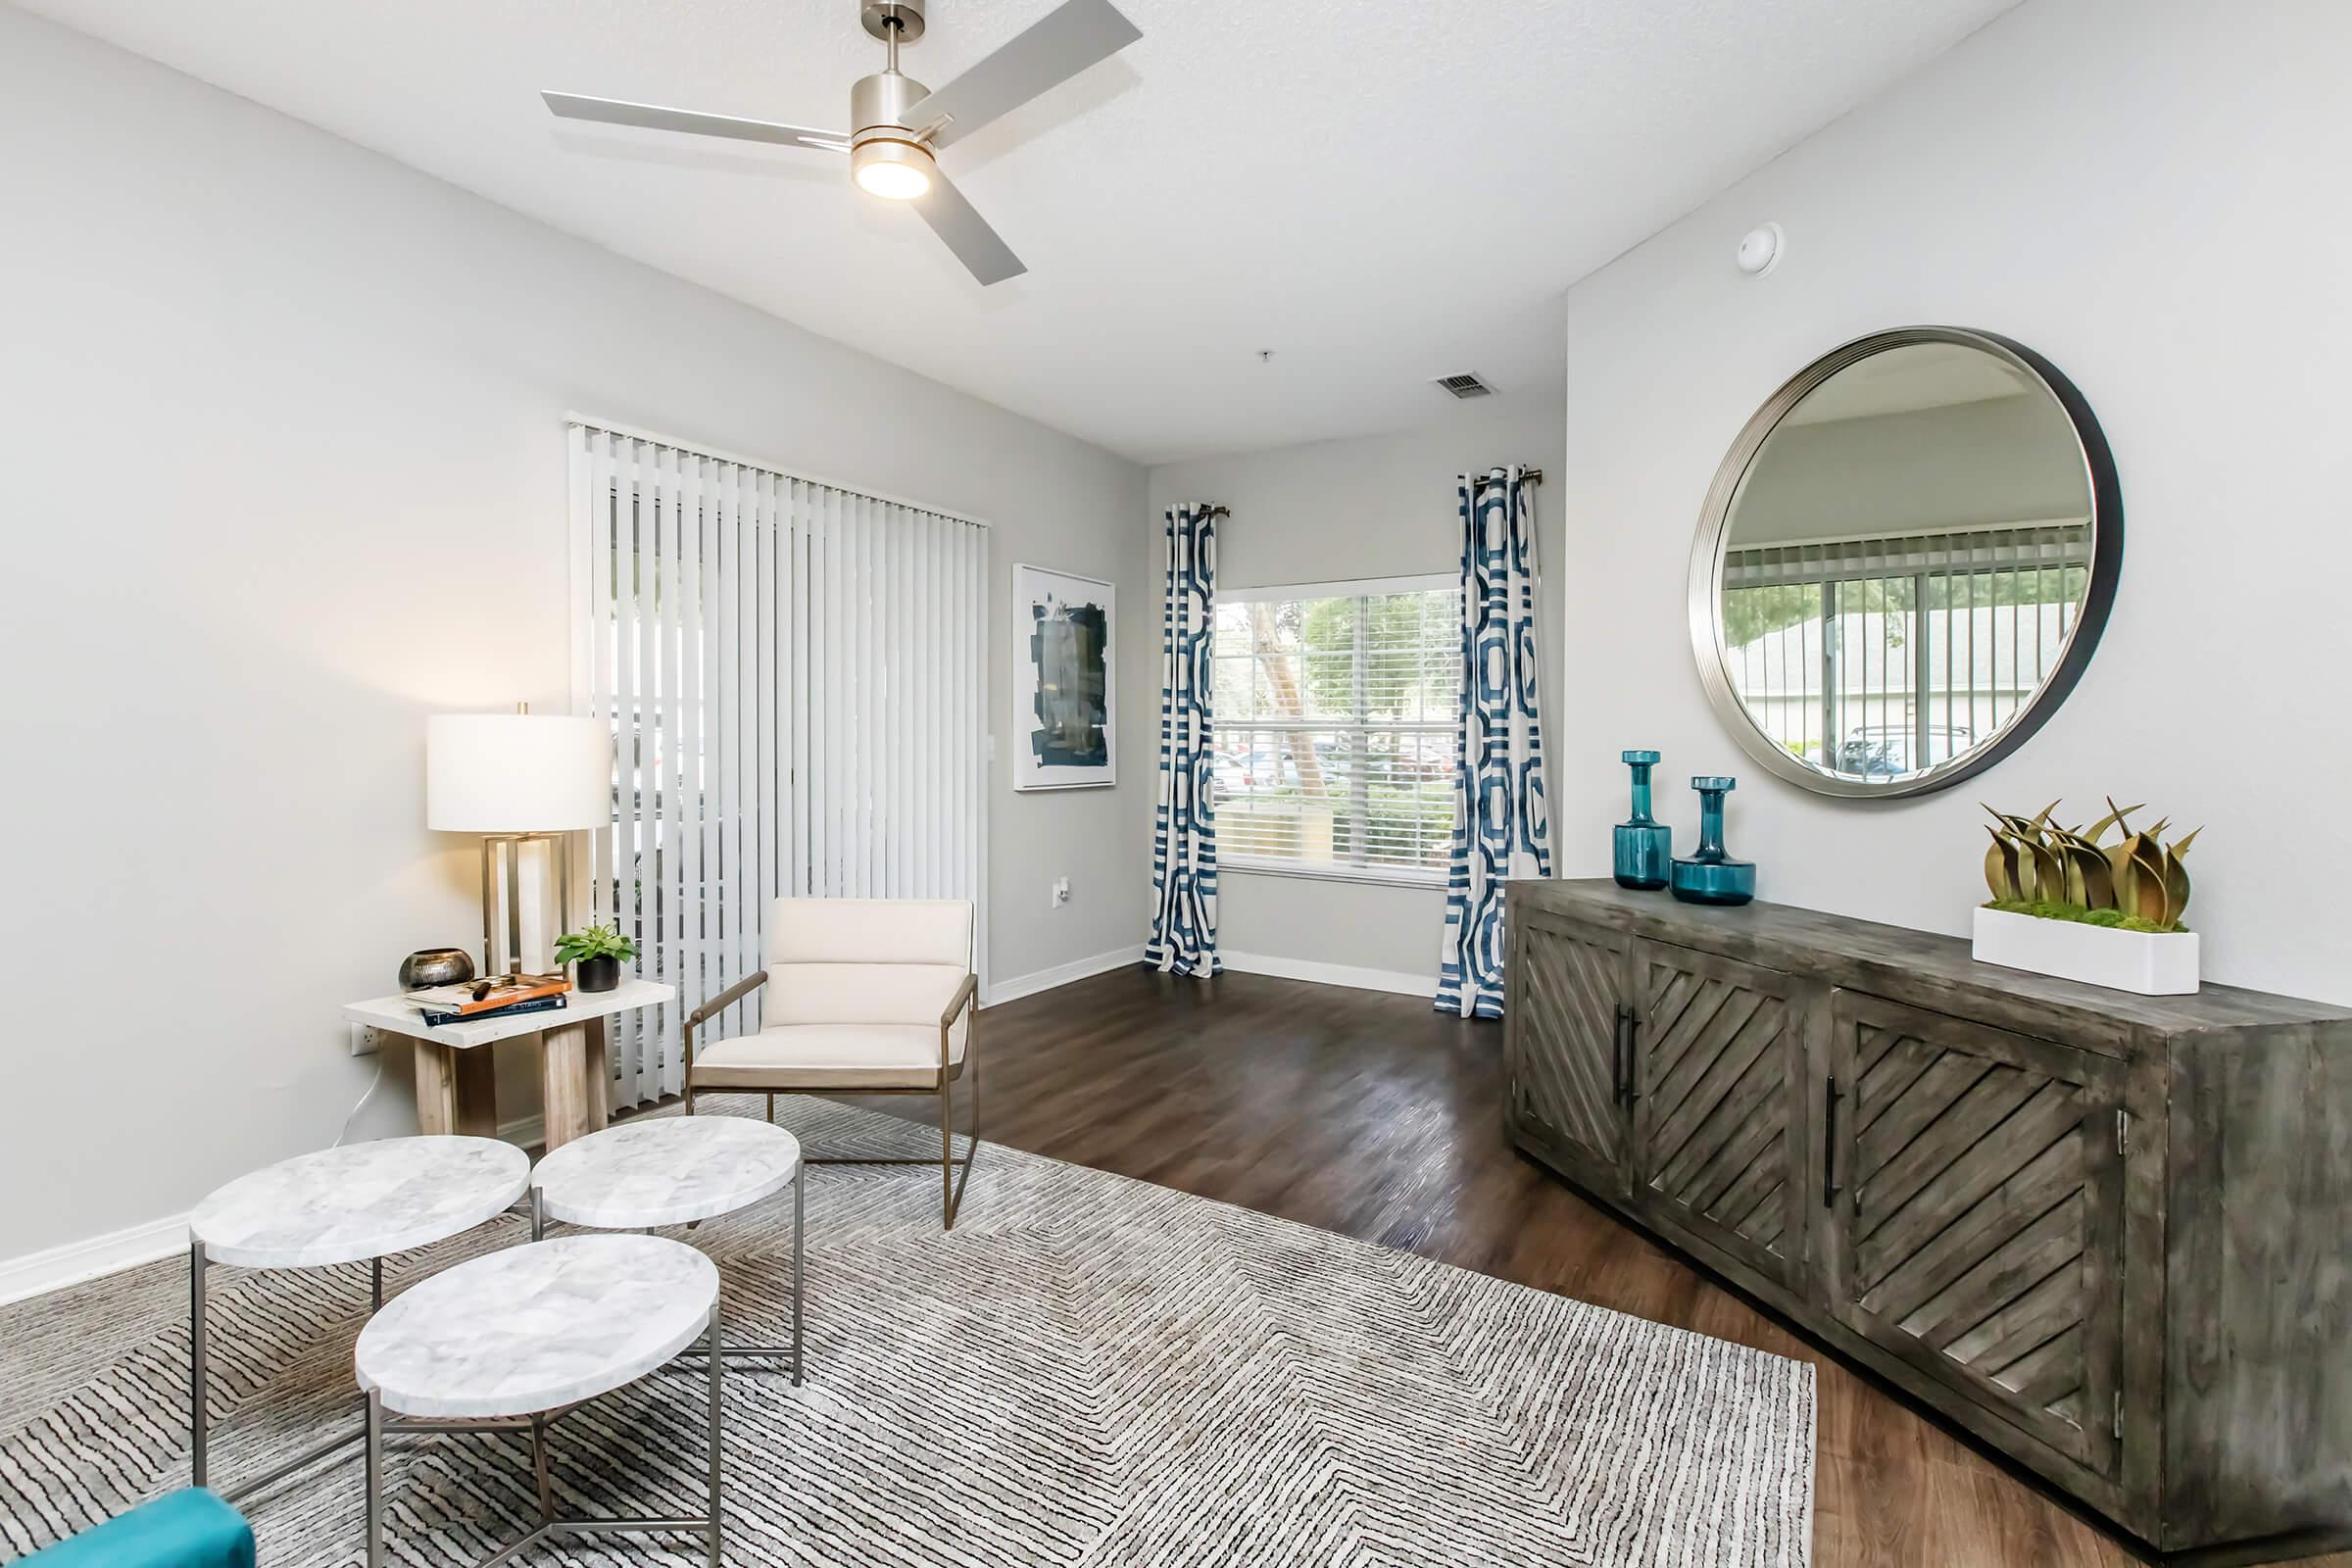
<point x="1088" y="1371"/>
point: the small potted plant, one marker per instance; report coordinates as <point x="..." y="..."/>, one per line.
<point x="2108" y="915"/>
<point x="598" y="953"/>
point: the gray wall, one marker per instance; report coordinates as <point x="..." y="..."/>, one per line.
<point x="2142" y="193"/>
<point x="1378" y="506"/>
<point x="287" y="475"/>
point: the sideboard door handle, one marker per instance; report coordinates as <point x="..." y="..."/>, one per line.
<point x="1625" y="1017"/>
<point x="1828" y="1145"/>
<point x="1632" y="1057"/>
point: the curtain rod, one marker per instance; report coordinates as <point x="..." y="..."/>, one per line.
<point x="1526" y="475"/>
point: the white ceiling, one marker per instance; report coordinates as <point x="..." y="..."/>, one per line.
<point x="1380" y="191"/>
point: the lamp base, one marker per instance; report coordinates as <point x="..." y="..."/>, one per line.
<point x="501" y="899"/>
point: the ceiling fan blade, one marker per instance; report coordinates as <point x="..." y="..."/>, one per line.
<point x="1069" y="39"/>
<point x="653" y="117"/>
<point x="958" y="222"/>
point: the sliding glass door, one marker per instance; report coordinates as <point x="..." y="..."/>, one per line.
<point x="794" y="672"/>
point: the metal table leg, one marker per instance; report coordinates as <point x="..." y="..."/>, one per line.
<point x="550" y="1527"/>
<point x="375" y="1480"/>
<point x="716" y="1362"/>
<point x="547" y="1492"/>
<point x="200" y="1381"/>
<point x="199" y="1419"/>
<point x="794" y="1351"/>
<point x="800" y="1183"/>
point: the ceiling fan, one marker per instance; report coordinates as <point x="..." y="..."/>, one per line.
<point x="899" y="125"/>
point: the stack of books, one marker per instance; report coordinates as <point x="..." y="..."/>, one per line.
<point x="500" y="996"/>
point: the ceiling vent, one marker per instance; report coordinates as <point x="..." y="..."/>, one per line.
<point x="1465" y="386"/>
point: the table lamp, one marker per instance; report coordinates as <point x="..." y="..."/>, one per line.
<point x="517" y="778"/>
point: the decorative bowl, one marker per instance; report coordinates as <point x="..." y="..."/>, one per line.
<point x="435" y="966"/>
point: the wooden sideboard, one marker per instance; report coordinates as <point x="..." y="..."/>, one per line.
<point x="2109" y="1235"/>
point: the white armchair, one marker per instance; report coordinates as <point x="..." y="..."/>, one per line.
<point x="863" y="996"/>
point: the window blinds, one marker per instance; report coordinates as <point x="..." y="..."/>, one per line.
<point x="1338" y="720"/>
<point x="794" y="672"/>
<point x="2036" y="547"/>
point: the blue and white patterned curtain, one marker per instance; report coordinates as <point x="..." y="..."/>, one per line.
<point x="1184" y="833"/>
<point x="1500" y="822"/>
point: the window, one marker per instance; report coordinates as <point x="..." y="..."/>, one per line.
<point x="1876" y="656"/>
<point x="1338" y="714"/>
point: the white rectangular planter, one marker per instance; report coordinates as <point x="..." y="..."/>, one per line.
<point x="2154" y="963"/>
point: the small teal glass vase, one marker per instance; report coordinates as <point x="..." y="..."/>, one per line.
<point x="1644" y="846"/>
<point x="1711" y="876"/>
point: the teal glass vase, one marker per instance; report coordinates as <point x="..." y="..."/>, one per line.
<point x="1711" y="876"/>
<point x="1644" y="846"/>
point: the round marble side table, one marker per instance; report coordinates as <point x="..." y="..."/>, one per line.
<point x="514" y="1339"/>
<point x="676" y="1170"/>
<point x="339" y="1205"/>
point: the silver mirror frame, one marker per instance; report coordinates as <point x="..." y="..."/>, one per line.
<point x="1714" y="524"/>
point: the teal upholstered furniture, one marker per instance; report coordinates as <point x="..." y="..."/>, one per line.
<point x="185" y="1529"/>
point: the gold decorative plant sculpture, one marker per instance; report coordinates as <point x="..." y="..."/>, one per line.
<point x="2137" y="882"/>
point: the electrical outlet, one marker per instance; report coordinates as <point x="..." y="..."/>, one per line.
<point x="365" y="1041"/>
<point x="1061" y="891"/>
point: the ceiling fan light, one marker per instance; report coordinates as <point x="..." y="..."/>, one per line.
<point x="896" y="182"/>
<point x="895" y="171"/>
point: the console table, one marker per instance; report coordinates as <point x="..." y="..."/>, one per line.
<point x="454" y="1091"/>
<point x="2105" y="1233"/>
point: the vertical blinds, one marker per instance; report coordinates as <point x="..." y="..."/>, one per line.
<point x="794" y="672"/>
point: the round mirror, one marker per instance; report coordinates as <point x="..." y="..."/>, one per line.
<point x="1905" y="561"/>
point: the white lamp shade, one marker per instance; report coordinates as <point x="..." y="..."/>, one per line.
<point x="517" y="773"/>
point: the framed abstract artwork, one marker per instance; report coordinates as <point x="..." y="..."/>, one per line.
<point x="1065" y="680"/>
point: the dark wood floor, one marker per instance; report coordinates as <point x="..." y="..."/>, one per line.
<point x="1369" y="1114"/>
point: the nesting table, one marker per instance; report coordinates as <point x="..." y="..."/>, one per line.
<point x="676" y="1170"/>
<point x="454" y="1078"/>
<point x="511" y="1341"/>
<point x="514" y="1339"/>
<point x="361" y="1202"/>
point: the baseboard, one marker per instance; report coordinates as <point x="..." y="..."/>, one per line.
<point x="1029" y="984"/>
<point x="39" y="1273"/>
<point x="1332" y="974"/>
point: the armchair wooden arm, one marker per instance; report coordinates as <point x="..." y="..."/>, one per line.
<point x="947" y="1018"/>
<point x="714" y="1006"/>
<point x="963" y="994"/>
<point x="727" y="999"/>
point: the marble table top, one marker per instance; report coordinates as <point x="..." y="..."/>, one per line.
<point x="537" y="1327"/>
<point x="665" y="1170"/>
<point x="399" y="1015"/>
<point x="359" y="1201"/>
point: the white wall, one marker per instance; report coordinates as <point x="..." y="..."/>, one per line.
<point x="283" y="421"/>
<point x="2151" y="195"/>
<point x="1962" y="465"/>
<point x="1378" y="506"/>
